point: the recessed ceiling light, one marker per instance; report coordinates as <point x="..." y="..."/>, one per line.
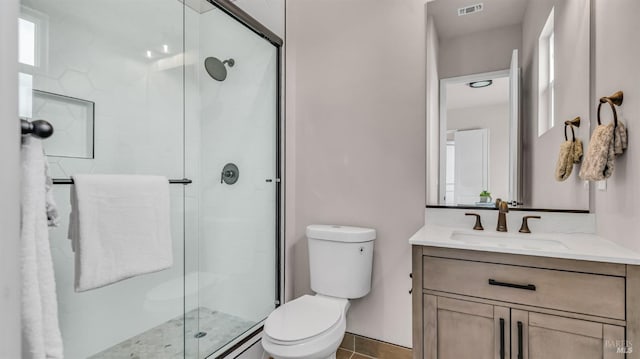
<point x="480" y="84"/>
<point x="149" y="54"/>
<point x="165" y="49"/>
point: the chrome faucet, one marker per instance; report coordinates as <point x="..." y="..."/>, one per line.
<point x="503" y="209"/>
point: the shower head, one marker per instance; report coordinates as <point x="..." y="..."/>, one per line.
<point x="216" y="69"/>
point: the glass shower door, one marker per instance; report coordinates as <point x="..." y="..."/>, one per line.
<point x="109" y="77"/>
<point x="232" y="74"/>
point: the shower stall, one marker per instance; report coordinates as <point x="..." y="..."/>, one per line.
<point x="187" y="89"/>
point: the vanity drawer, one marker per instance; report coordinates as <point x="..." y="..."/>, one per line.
<point x="592" y="294"/>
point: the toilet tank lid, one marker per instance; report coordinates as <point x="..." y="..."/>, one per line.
<point x="340" y="233"/>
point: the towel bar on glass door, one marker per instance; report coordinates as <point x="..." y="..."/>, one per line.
<point x="184" y="181"/>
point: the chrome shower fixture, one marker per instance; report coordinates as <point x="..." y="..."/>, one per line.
<point x="216" y="68"/>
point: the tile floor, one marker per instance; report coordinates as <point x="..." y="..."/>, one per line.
<point x="166" y="340"/>
<point x="345" y="354"/>
<point x="358" y="347"/>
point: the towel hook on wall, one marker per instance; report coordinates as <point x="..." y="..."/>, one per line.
<point x="613" y="101"/>
<point x="574" y="122"/>
<point x="616" y="98"/>
<point x="571" y="123"/>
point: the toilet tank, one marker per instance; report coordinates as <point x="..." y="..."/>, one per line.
<point x="340" y="260"/>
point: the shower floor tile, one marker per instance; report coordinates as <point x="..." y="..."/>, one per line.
<point x="166" y="340"/>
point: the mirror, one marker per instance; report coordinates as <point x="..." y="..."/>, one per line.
<point x="502" y="78"/>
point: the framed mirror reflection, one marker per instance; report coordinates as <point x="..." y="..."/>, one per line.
<point x="502" y="78"/>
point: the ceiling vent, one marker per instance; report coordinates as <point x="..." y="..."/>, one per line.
<point x="470" y="9"/>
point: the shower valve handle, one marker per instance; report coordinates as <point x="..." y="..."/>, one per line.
<point x="226" y="174"/>
<point x="230" y="174"/>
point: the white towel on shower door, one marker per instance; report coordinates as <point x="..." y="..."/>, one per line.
<point x="119" y="228"/>
<point x="41" y="337"/>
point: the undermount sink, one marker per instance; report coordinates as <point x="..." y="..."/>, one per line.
<point x="506" y="240"/>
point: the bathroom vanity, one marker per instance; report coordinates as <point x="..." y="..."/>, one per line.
<point x="484" y="294"/>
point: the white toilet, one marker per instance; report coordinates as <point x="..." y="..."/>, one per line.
<point x="312" y="326"/>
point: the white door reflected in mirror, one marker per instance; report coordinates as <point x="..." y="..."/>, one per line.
<point x="471" y="165"/>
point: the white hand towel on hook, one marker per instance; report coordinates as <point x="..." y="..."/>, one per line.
<point x="40" y="331"/>
<point x="119" y="228"/>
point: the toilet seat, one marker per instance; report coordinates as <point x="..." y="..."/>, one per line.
<point x="310" y="327"/>
<point x="303" y="318"/>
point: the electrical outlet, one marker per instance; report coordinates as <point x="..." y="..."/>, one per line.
<point x="602" y="186"/>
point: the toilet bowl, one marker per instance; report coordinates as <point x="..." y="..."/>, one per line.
<point x="308" y="327"/>
<point x="313" y="326"/>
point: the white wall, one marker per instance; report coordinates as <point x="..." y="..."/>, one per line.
<point x="616" y="68"/>
<point x="10" y="344"/>
<point x="356" y="142"/>
<point x="540" y="154"/>
<point x="495" y="118"/>
<point x="479" y="52"/>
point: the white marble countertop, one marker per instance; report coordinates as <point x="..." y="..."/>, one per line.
<point x="580" y="246"/>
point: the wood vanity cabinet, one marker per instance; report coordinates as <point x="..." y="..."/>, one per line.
<point x="485" y="305"/>
<point x="465" y="329"/>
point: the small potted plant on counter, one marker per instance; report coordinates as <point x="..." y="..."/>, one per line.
<point x="485" y="196"/>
